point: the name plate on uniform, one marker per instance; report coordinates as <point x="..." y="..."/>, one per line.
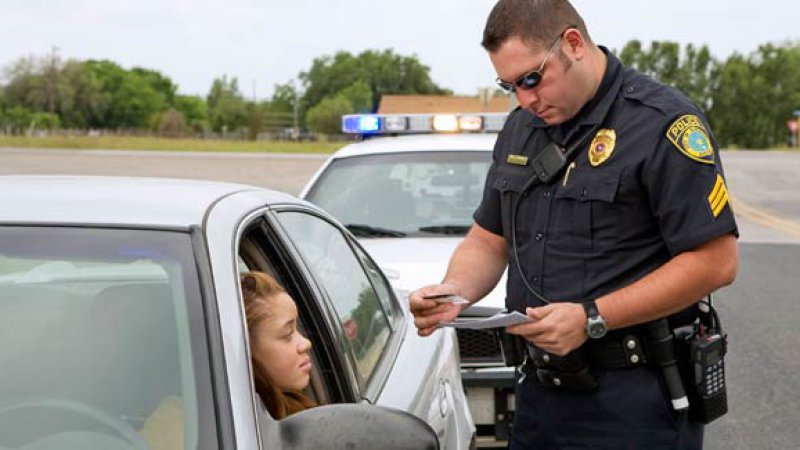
<point x="518" y="160"/>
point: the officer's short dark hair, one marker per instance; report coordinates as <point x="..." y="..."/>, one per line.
<point x="536" y="22"/>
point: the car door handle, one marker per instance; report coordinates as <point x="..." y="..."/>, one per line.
<point x="445" y="397"/>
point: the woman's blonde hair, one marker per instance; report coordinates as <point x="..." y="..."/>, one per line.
<point x="258" y="290"/>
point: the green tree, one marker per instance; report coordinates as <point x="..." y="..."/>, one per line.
<point x="754" y="96"/>
<point x="157" y="81"/>
<point x="326" y="116"/>
<point x="25" y="87"/>
<point x="85" y="104"/>
<point x="696" y="75"/>
<point x="227" y="109"/>
<point x="17" y="119"/>
<point x="135" y="104"/>
<point x="690" y="71"/>
<point x="3" y="103"/>
<point x="283" y="98"/>
<point x="45" y="121"/>
<point x="359" y="95"/>
<point x="194" y="110"/>
<point x="384" y="72"/>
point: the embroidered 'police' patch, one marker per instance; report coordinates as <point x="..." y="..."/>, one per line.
<point x="690" y="137"/>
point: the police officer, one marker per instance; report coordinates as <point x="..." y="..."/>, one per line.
<point x="636" y="226"/>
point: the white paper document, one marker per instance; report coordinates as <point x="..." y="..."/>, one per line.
<point x="496" y="321"/>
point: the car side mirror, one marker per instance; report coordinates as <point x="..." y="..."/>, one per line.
<point x="354" y="427"/>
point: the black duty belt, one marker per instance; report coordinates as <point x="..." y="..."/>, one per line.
<point x="618" y="350"/>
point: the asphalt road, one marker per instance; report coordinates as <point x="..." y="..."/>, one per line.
<point x="760" y="311"/>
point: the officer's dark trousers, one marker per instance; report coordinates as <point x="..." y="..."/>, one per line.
<point x="629" y="410"/>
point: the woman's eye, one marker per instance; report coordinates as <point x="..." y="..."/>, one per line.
<point x="289" y="336"/>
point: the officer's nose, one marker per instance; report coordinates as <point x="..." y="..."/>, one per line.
<point x="528" y="99"/>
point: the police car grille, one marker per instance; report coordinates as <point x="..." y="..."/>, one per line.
<point x="479" y="348"/>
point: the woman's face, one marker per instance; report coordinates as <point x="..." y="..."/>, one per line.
<point x="280" y="348"/>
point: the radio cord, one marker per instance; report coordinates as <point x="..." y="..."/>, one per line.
<point x="533" y="181"/>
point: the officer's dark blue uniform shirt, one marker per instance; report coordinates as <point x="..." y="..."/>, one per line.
<point x="645" y="185"/>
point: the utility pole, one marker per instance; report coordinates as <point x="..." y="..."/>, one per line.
<point x="295" y="114"/>
<point x="52" y="80"/>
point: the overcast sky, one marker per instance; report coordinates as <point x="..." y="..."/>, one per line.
<point x="264" y="42"/>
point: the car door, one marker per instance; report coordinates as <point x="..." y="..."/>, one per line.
<point x="338" y="421"/>
<point x="374" y="327"/>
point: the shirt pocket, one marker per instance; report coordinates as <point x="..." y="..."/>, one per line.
<point x="586" y="210"/>
<point x="509" y="182"/>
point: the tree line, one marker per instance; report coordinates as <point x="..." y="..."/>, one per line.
<point x="747" y="98"/>
<point x="47" y="93"/>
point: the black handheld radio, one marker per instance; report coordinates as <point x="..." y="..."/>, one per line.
<point x="705" y="346"/>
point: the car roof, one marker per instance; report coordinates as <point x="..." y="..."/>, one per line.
<point x="420" y="142"/>
<point x="117" y="201"/>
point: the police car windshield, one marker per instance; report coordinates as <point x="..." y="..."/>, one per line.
<point x="424" y="193"/>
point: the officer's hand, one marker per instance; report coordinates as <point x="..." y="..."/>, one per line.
<point x="427" y="313"/>
<point x="558" y="328"/>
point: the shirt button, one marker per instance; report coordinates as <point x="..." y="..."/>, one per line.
<point x="535" y="279"/>
<point x="539" y="236"/>
<point x="630" y="89"/>
<point x="504" y="183"/>
<point x="546" y="194"/>
<point x="584" y="192"/>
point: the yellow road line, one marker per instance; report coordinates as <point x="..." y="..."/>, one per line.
<point x="764" y="218"/>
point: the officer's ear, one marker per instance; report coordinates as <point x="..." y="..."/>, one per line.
<point x="575" y="45"/>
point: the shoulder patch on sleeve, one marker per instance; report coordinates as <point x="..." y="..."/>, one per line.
<point x="690" y="136"/>
<point x="718" y="197"/>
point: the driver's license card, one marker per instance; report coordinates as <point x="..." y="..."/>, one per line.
<point x="447" y="298"/>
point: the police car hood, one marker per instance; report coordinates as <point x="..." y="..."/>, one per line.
<point x="411" y="263"/>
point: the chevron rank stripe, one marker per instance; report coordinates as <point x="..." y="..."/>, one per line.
<point x="718" y="197"/>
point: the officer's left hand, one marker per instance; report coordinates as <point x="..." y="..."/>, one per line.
<point x="558" y="328"/>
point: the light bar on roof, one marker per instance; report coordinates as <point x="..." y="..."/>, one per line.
<point x="494" y="122"/>
<point x="422" y="123"/>
<point x="419" y="123"/>
<point x="395" y="123"/>
<point x="362" y="123"/>
<point x="445" y="122"/>
<point x="470" y="123"/>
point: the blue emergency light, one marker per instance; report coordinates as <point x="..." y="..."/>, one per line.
<point x="362" y="124"/>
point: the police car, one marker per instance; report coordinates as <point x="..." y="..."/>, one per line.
<point x="409" y="198"/>
<point x="122" y="325"/>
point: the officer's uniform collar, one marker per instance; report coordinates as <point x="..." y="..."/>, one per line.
<point x="594" y="111"/>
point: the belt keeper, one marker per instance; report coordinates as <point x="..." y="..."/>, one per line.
<point x="634" y="350"/>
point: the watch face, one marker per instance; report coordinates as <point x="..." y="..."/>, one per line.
<point x="596" y="329"/>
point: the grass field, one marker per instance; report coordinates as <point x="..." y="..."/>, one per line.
<point x="155" y="143"/>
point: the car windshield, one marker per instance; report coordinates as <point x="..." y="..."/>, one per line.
<point x="423" y="193"/>
<point x="100" y="343"/>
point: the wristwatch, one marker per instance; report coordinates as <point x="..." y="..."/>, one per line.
<point x="595" y="324"/>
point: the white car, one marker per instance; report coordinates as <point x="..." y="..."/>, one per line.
<point x="410" y="199"/>
<point x="122" y="324"/>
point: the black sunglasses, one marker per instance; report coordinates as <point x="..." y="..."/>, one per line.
<point x="531" y="79"/>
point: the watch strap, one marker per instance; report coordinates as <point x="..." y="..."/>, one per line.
<point x="591" y="309"/>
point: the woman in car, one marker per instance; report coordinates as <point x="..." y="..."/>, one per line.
<point x="280" y="353"/>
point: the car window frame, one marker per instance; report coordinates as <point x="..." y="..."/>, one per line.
<point x="397" y="318"/>
<point x="315" y="315"/>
